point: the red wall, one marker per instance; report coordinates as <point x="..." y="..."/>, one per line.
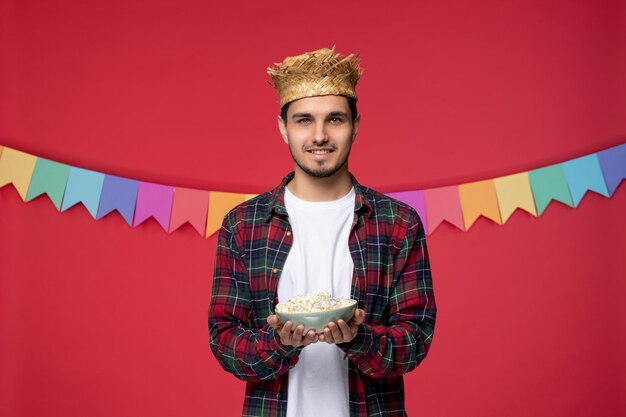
<point x="100" y="319"/>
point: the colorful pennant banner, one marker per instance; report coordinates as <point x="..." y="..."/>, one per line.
<point x="460" y="205"/>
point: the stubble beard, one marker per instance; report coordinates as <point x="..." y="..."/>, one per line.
<point x="320" y="171"/>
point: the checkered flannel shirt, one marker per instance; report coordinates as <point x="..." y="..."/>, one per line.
<point x="391" y="281"/>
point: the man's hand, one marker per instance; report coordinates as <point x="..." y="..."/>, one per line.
<point x="289" y="337"/>
<point x="342" y="332"/>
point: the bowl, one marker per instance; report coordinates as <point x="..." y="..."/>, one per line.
<point x="319" y="319"/>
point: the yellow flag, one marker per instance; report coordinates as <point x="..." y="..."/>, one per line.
<point x="219" y="204"/>
<point x="479" y="198"/>
<point x="514" y="192"/>
<point x="16" y="168"/>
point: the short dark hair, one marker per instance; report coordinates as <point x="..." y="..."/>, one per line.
<point x="351" y="104"/>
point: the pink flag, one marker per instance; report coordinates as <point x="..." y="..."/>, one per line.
<point x="189" y="206"/>
<point x="443" y="203"/>
<point x="154" y="200"/>
<point x="414" y="199"/>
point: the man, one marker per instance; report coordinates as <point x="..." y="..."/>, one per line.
<point x="320" y="230"/>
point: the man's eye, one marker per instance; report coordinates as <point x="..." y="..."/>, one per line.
<point x="336" y="120"/>
<point x="303" y="121"/>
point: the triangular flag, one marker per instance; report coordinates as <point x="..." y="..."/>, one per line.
<point x="154" y="200"/>
<point x="443" y="203"/>
<point x="220" y="204"/>
<point x="189" y="206"/>
<point x="514" y="192"/>
<point x="85" y="187"/>
<point x="548" y="184"/>
<point x="118" y="194"/>
<point x="613" y="163"/>
<point x="414" y="199"/>
<point x="584" y="174"/>
<point x="479" y="198"/>
<point x="17" y="168"/>
<point x="49" y="177"/>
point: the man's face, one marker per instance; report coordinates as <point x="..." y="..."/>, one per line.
<point x="319" y="132"/>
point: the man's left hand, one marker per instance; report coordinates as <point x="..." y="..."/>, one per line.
<point x="342" y="332"/>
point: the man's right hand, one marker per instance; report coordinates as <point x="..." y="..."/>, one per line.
<point x="289" y="337"/>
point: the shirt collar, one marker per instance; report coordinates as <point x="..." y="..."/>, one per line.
<point x="277" y="198"/>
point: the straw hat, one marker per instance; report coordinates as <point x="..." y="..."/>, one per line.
<point x="317" y="73"/>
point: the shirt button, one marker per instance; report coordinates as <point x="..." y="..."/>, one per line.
<point x="275" y="270"/>
<point x="288" y="232"/>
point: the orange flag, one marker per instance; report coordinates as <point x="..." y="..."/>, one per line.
<point x="479" y="198"/>
<point x="220" y="203"/>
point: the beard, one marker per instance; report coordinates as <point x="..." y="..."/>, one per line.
<point x="321" y="170"/>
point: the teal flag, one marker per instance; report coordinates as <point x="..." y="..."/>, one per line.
<point x="548" y="184"/>
<point x="83" y="186"/>
<point x="584" y="174"/>
<point x="49" y="177"/>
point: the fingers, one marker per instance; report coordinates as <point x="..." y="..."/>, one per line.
<point x="359" y="316"/>
<point x="296" y="337"/>
<point x="285" y="333"/>
<point x="336" y="333"/>
<point x="311" y="337"/>
<point x="274" y="321"/>
<point x="341" y="331"/>
<point x="326" y="336"/>
<point x="344" y="328"/>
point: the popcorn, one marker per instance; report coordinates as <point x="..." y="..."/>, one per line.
<point x="312" y="303"/>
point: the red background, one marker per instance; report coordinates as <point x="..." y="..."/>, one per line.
<point x="101" y="319"/>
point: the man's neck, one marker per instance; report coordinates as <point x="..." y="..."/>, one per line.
<point x="311" y="188"/>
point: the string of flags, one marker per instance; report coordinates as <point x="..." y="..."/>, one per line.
<point x="171" y="206"/>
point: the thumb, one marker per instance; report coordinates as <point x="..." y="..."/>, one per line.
<point x="273" y="321"/>
<point x="359" y="316"/>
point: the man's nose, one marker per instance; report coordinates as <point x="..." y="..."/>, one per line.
<point x="320" y="133"/>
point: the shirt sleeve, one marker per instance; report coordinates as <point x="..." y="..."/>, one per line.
<point x="250" y="353"/>
<point x="398" y="346"/>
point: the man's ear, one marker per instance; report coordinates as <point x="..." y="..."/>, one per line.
<point x="283" y="128"/>
<point x="355" y="126"/>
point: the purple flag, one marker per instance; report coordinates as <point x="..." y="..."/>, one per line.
<point x="613" y="163"/>
<point x="118" y="194"/>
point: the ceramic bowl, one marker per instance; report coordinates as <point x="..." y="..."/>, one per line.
<point x="318" y="320"/>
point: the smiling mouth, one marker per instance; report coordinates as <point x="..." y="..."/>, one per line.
<point x="320" y="151"/>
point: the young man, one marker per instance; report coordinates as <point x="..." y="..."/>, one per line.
<point x="320" y="230"/>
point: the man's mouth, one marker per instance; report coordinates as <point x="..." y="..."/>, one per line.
<point x="320" y="151"/>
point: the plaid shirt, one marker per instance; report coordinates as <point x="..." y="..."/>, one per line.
<point x="391" y="281"/>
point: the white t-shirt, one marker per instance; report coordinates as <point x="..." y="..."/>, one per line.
<point x="319" y="260"/>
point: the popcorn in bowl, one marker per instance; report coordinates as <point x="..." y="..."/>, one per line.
<point x="322" y="301"/>
<point x="315" y="311"/>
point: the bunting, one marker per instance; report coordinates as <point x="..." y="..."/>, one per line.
<point x="514" y="192"/>
<point x="84" y="187"/>
<point x="479" y="199"/>
<point x="171" y="207"/>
